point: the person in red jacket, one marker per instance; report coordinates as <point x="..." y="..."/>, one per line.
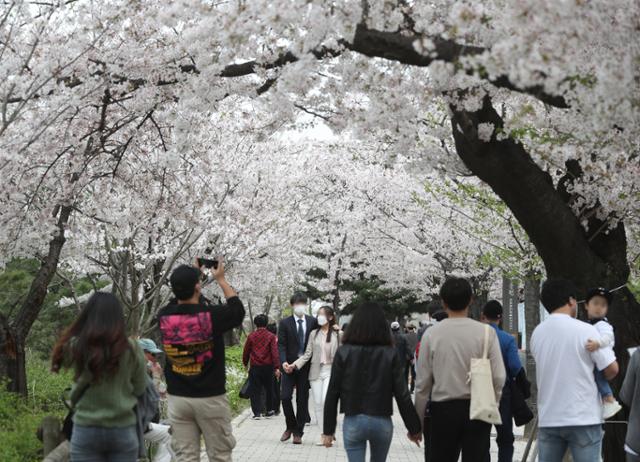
<point x="261" y="351"/>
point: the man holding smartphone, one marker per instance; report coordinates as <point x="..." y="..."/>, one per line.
<point x="192" y="336"/>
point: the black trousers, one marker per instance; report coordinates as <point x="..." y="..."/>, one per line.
<point x="300" y="380"/>
<point x="452" y="431"/>
<point x="426" y="431"/>
<point x="504" y="432"/>
<point x="276" y="394"/>
<point x="412" y="371"/>
<point x="261" y="380"/>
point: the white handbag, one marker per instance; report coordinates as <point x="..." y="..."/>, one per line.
<point x="483" y="397"/>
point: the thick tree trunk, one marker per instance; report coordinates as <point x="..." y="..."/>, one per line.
<point x="480" y="300"/>
<point x="13" y="335"/>
<point x="567" y="250"/>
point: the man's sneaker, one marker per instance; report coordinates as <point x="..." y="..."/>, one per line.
<point x="609" y="409"/>
<point x="256" y="417"/>
<point x="270" y="414"/>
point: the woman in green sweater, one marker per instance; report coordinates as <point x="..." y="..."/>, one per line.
<point x="109" y="376"/>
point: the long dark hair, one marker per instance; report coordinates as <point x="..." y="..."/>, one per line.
<point x="328" y="311"/>
<point x="96" y="340"/>
<point x="368" y="326"/>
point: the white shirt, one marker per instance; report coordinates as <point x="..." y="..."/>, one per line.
<point x="567" y="391"/>
<point x="606" y="332"/>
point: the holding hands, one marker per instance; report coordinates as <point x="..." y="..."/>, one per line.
<point x="288" y="368"/>
<point x="415" y="438"/>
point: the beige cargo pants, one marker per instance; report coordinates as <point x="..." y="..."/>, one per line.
<point x="209" y="417"/>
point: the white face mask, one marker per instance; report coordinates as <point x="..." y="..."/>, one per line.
<point x="322" y="319"/>
<point x="299" y="310"/>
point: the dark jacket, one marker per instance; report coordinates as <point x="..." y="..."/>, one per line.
<point x="194" y="347"/>
<point x="365" y="379"/>
<point x="288" y="338"/>
<point x="630" y="395"/>
<point x="412" y="342"/>
<point x="402" y="348"/>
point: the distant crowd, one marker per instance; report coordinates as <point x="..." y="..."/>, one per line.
<point x="464" y="375"/>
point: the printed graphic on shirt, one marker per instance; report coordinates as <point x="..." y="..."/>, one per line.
<point x="188" y="341"/>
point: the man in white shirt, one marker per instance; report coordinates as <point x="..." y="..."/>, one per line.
<point x="569" y="406"/>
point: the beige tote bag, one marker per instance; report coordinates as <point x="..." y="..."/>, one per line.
<point x="483" y="396"/>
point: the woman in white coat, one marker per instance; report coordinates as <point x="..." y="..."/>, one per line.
<point x="321" y="349"/>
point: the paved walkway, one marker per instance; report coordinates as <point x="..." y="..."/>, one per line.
<point x="259" y="441"/>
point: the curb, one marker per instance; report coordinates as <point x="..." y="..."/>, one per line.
<point x="240" y="418"/>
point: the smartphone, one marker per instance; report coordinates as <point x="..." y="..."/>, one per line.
<point x="208" y="263"/>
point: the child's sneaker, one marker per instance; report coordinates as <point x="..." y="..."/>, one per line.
<point x="609" y="409"/>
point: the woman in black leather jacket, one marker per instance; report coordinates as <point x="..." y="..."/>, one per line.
<point x="365" y="376"/>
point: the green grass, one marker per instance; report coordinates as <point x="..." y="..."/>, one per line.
<point x="20" y="417"/>
<point x="236" y="376"/>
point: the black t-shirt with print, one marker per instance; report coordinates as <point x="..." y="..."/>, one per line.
<point x="194" y="346"/>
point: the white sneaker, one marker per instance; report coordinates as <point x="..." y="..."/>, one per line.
<point x="610" y="409"/>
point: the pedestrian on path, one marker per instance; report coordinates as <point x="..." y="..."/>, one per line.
<point x="492" y="315"/>
<point x="273" y="328"/>
<point x="192" y="335"/>
<point x="402" y="349"/>
<point x="366" y="376"/>
<point x="412" y="344"/>
<point x="630" y="395"/>
<point x="261" y="351"/>
<point x="293" y="337"/>
<point x="110" y="374"/>
<point x="569" y="405"/>
<point x="426" y="423"/>
<point x="321" y="349"/>
<point x="446" y="351"/>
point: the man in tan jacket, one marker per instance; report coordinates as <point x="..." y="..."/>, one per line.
<point x="443" y="378"/>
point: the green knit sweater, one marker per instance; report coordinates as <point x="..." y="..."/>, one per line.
<point x="110" y="402"/>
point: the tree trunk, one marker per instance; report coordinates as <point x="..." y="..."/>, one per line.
<point x="568" y="251"/>
<point x="532" y="319"/>
<point x="506" y="290"/>
<point x="480" y="300"/>
<point x="13" y="335"/>
<point x="513" y="310"/>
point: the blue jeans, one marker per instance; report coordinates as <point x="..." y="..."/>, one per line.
<point x="104" y="444"/>
<point x="603" y="385"/>
<point x="358" y="429"/>
<point x="584" y="442"/>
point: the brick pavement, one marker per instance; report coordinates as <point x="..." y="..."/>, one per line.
<point x="259" y="441"/>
